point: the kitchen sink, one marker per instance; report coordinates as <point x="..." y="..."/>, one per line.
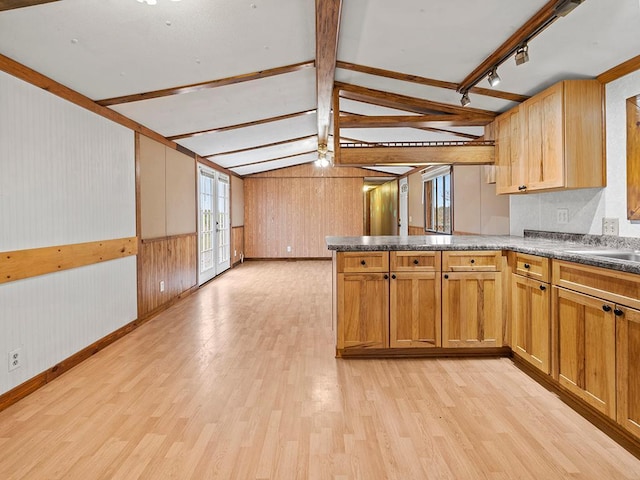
<point x="628" y="255"/>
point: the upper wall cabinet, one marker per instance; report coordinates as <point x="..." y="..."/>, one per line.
<point x="553" y="141"/>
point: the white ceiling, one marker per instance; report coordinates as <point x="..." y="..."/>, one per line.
<point x="112" y="48"/>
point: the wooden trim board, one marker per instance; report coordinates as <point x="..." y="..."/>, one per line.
<point x="22" y="264"/>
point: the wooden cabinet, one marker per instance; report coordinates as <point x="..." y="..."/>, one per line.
<point x="471" y="299"/>
<point x="531" y="321"/>
<point x="628" y="368"/>
<point x="531" y="309"/>
<point x="553" y="141"/>
<point x="362" y="300"/>
<point x="415" y="313"/>
<point x="586" y="348"/>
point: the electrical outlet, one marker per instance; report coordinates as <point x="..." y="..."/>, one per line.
<point x="610" y="226"/>
<point x="162" y="285"/>
<point x="562" y="216"/>
<point x="288" y="248"/>
<point x="235" y="253"/>
<point x="15" y="359"/>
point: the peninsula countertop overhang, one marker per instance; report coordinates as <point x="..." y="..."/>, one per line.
<point x="545" y="247"/>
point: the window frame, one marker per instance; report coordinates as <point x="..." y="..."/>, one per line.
<point x="435" y="187"/>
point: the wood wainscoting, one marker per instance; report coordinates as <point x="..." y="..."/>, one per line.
<point x="172" y="260"/>
<point x="237" y="244"/>
<point x="416" y="230"/>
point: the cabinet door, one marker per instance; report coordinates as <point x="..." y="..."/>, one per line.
<point x="531" y="321"/>
<point x="363" y="310"/>
<point x="415" y="310"/>
<point x="628" y="358"/>
<point x="471" y="309"/>
<point x="510" y="167"/>
<point x="586" y="348"/>
<point x="545" y="140"/>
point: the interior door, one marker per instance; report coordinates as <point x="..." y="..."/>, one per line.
<point x="214" y="224"/>
<point x="403" y="219"/>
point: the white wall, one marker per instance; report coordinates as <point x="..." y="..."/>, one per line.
<point x="66" y="176"/>
<point x="587" y="207"/>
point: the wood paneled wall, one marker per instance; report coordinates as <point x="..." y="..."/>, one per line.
<point x="416" y="230"/>
<point x="298" y="207"/>
<point x="170" y="260"/>
<point x="237" y="244"/>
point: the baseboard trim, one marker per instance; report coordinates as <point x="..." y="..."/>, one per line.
<point x="27" y="388"/>
<point x="437" y="352"/>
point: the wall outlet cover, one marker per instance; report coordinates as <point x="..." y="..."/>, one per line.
<point x="610" y="226"/>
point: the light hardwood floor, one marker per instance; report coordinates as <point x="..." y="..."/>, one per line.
<point x="240" y="381"/>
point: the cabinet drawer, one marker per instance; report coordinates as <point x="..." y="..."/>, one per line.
<point x="353" y="262"/>
<point x="531" y="266"/>
<point x="612" y="285"/>
<point x="472" y="261"/>
<point x="415" y="261"/>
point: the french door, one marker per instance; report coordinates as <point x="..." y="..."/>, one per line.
<point x="214" y="224"/>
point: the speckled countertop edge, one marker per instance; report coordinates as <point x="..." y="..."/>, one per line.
<point x="544" y="244"/>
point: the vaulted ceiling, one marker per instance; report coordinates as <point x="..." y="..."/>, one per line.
<point x="248" y="84"/>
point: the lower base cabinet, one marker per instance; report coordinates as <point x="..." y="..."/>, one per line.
<point x="586" y="329"/>
<point x="531" y="321"/>
<point x="628" y="368"/>
<point x="471" y="309"/>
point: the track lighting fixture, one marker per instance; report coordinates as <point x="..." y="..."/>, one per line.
<point x="465" y="100"/>
<point x="493" y="77"/>
<point x="567" y="6"/>
<point x="522" y="54"/>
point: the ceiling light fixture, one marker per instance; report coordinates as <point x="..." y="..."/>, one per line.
<point x="493" y="77"/>
<point x="566" y="7"/>
<point x="522" y="54"/>
<point x="322" y="161"/>
<point x="465" y="100"/>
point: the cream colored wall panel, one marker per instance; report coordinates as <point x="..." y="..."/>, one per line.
<point x="66" y="174"/>
<point x="181" y="193"/>
<point x="51" y="317"/>
<point x="153" y="218"/>
<point x="237" y="201"/>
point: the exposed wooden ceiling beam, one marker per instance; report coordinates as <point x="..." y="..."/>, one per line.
<point x="430" y="129"/>
<point x="272" y="159"/>
<point x="391" y="121"/>
<point x="470" y="154"/>
<point x="246" y="77"/>
<point x="619" y="71"/>
<point x="403" y="102"/>
<point x="327" y="26"/>
<point x="243" y="125"/>
<point x="258" y="147"/>
<point x="12" y="4"/>
<point x="544" y="17"/>
<point x="404" y="77"/>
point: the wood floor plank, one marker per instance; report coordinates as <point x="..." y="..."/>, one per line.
<point x="240" y="381"/>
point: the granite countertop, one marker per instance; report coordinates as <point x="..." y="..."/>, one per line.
<point x="560" y="246"/>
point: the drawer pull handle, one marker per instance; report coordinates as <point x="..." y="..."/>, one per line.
<point x="393" y="276"/>
<point x="526" y="265"/>
<point x="522" y="187"/>
<point x="362" y="262"/>
<point x="446" y="276"/>
<point x="606" y="308"/>
<point x="543" y="288"/>
<point x="473" y="261"/>
<point x="386" y="277"/>
<point x="416" y="262"/>
<point x="618" y="313"/>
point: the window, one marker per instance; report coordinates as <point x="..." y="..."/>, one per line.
<point x="438" y="199"/>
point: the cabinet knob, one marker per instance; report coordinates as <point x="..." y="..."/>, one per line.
<point x="362" y="262"/>
<point x="473" y="261"/>
<point x="526" y="265"/>
<point x="522" y="187"/>
<point x="606" y="308"/>
<point x="446" y="276"/>
<point x="386" y="276"/>
<point x="415" y="261"/>
<point x="618" y="313"/>
<point x="543" y="288"/>
<point x="393" y="276"/>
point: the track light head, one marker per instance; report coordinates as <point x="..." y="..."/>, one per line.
<point x="522" y="54"/>
<point x="493" y="77"/>
<point x="566" y="7"/>
<point x="465" y="100"/>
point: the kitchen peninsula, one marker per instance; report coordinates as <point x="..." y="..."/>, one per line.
<point x="566" y="307"/>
